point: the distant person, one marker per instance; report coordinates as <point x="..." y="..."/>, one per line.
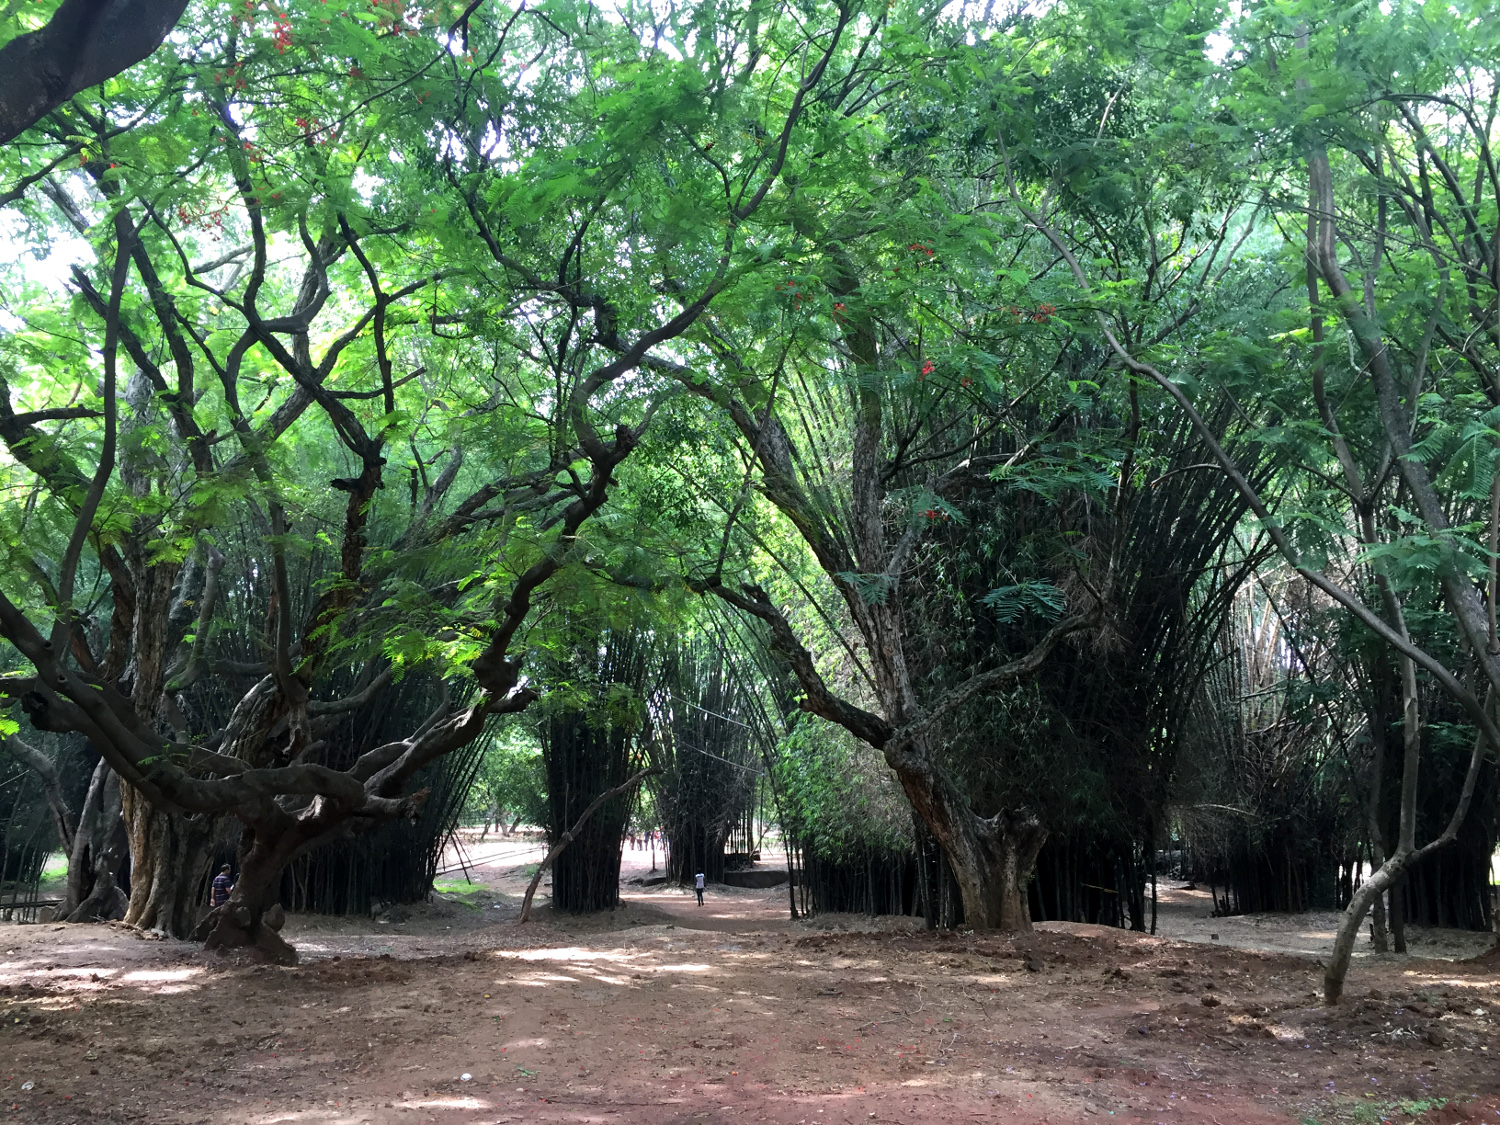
<point x="223" y="884"/>
<point x="698" y="886"/>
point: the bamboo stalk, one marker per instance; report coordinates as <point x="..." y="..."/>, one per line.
<point x="567" y="837"/>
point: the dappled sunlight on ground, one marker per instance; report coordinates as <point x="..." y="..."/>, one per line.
<point x="663" y="1024"/>
<point x="445" y="1103"/>
<point x="569" y="953"/>
<point x="96" y="959"/>
<point x="1436" y="978"/>
<point x="664" y="1013"/>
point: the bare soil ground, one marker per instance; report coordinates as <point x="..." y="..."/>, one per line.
<point x="665" y="1013"/>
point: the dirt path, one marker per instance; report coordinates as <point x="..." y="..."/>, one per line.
<point x="664" y="1013"/>
<point x="727" y="910"/>
<point x="1186" y="915"/>
<point x="667" y="1013"/>
<point x="504" y="868"/>
<point x="1182" y="914"/>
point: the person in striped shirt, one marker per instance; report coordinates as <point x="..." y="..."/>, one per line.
<point x="221" y="888"/>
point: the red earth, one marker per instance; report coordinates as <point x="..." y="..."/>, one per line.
<point x="664" y="1013"/>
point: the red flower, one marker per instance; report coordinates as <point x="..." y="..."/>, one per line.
<point x="928" y="367"/>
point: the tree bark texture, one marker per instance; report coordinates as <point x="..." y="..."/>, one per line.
<point x="1353" y="918"/>
<point x="169" y="862"/>
<point x="85" y="42"/>
<point x="253" y="917"/>
<point x="992" y="858"/>
<point x="99" y="851"/>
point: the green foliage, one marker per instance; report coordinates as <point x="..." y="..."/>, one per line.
<point x="479" y="222"/>
<point x="837" y="795"/>
<point x="511" y="782"/>
<point x="1010" y="602"/>
<point x="458" y="887"/>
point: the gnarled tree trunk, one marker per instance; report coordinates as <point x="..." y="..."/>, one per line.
<point x="169" y="853"/>
<point x="1353" y="917"/>
<point x="169" y="860"/>
<point x="253" y="916"/>
<point x="992" y="858"/>
<point x="99" y="850"/>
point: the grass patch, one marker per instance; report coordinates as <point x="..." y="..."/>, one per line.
<point x="458" y="887"/>
<point x="55" y="868"/>
<point x="1373" y="1112"/>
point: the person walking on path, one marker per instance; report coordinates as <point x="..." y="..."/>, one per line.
<point x="698" y="886"/>
<point x="222" y="886"/>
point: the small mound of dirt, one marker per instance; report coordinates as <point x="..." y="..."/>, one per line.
<point x="1487" y="959"/>
<point x="1462" y="1113"/>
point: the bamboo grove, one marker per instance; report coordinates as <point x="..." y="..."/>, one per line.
<point x="1016" y="450"/>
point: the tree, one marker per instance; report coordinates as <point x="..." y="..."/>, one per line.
<point x="275" y="383"/>
<point x="511" y="783"/>
<point x="590" y="747"/>
<point x="704" y="747"/>
<point x="917" y="360"/>
<point x="1351" y="91"/>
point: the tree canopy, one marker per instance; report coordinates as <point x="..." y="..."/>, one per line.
<point x="957" y="372"/>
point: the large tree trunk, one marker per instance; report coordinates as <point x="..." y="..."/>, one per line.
<point x="169" y="854"/>
<point x="253" y="916"/>
<point x="169" y="861"/>
<point x="84" y="844"/>
<point x="992" y="859"/>
<point x="99" y="850"/>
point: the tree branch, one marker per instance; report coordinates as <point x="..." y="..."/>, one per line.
<point x="64" y="819"/>
<point x="568" y="836"/>
<point x="85" y="42"/>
